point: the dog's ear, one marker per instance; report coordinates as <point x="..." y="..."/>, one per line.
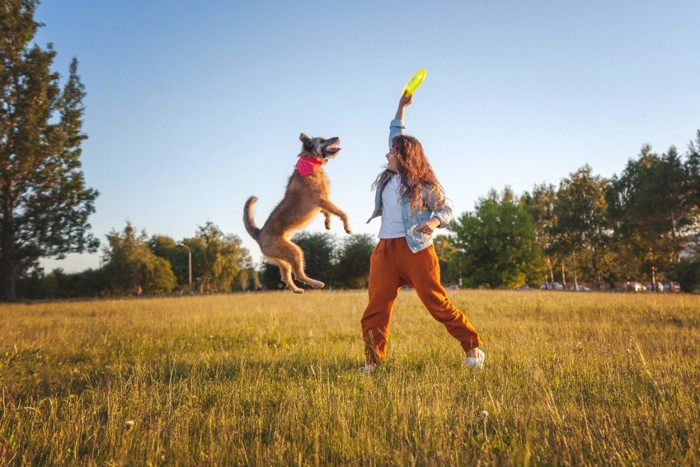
<point x="307" y="144"/>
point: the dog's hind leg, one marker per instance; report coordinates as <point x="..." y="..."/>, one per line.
<point x="292" y="254"/>
<point x="286" y="274"/>
<point x="327" y="215"/>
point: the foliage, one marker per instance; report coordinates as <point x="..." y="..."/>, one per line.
<point x="540" y="206"/>
<point x="352" y="267"/>
<point x="219" y="262"/>
<point x="581" y="232"/>
<point x="167" y="248"/>
<point x="132" y="269"/>
<point x="270" y="277"/>
<point x="687" y="273"/>
<point x="58" y="284"/>
<point x="217" y="259"/>
<point x="449" y="259"/>
<point x="635" y="226"/>
<point x="249" y="279"/>
<point x="344" y="265"/>
<point x="497" y="244"/>
<point x="319" y="254"/>
<point x="319" y="251"/>
<point x="269" y="379"/>
<point x="135" y="265"/>
<point x="652" y="211"/>
<point x="692" y="169"/>
<point x="44" y="202"/>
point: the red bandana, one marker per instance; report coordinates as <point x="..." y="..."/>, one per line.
<point x="306" y="165"/>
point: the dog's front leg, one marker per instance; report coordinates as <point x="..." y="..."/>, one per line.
<point x="327" y="206"/>
<point x="327" y="215"/>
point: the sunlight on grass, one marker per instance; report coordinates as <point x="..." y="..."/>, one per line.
<point x="271" y="378"/>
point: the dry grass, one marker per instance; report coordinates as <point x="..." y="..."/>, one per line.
<point x="271" y="378"/>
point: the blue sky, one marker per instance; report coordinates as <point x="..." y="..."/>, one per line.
<point x="192" y="107"/>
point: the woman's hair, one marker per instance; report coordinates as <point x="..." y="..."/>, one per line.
<point x="414" y="170"/>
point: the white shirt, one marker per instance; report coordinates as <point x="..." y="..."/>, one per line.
<point x="392" y="223"/>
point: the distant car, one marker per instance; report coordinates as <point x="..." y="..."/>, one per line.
<point x="635" y="286"/>
<point x="581" y="288"/>
<point x="552" y="286"/>
<point x="672" y="287"/>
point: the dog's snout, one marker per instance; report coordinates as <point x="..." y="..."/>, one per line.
<point x="331" y="146"/>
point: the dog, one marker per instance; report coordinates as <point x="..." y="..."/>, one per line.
<point x="306" y="195"/>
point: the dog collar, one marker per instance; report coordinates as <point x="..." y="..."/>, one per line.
<point x="307" y="165"/>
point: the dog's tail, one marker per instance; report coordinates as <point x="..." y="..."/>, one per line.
<point x="248" y="221"/>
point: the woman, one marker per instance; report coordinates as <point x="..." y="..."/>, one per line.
<point x="412" y="204"/>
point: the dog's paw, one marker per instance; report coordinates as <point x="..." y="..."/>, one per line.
<point x="348" y="230"/>
<point x="297" y="290"/>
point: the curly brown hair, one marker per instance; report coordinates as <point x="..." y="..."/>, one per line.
<point x="414" y="170"/>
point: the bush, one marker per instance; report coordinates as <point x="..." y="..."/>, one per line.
<point x="686" y="273"/>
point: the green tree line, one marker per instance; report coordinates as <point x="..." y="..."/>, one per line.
<point x="642" y="225"/>
<point x="135" y="264"/>
<point x="340" y="264"/>
<point x="589" y="231"/>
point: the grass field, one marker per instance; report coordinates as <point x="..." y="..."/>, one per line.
<point x="271" y="378"/>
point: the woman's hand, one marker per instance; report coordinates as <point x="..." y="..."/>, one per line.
<point x="427" y="227"/>
<point x="403" y="103"/>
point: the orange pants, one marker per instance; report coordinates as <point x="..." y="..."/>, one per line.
<point x="392" y="266"/>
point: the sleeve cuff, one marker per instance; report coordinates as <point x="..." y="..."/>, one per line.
<point x="397" y="123"/>
<point x="442" y="220"/>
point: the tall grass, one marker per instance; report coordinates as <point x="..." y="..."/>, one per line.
<point x="271" y="378"/>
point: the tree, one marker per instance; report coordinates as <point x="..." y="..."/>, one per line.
<point x="352" y="269"/>
<point x="540" y="206"/>
<point x="217" y="259"/>
<point x="449" y="259"/>
<point x="132" y="269"/>
<point x="44" y="203"/>
<point x="687" y="273"/>
<point x="57" y="284"/>
<point x="581" y="231"/>
<point x="270" y="276"/>
<point x="319" y="249"/>
<point x="319" y="259"/>
<point x="652" y="212"/>
<point x="345" y="265"/>
<point x="165" y="247"/>
<point x="692" y="169"/>
<point x="497" y="244"/>
<point x="249" y="279"/>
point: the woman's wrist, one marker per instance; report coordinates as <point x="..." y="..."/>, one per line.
<point x="403" y="103"/>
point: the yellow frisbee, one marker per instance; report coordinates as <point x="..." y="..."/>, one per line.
<point x="414" y="82"/>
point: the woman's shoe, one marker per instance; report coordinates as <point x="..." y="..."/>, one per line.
<point x="478" y="361"/>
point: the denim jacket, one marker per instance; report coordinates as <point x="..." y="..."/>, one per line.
<point x="434" y="206"/>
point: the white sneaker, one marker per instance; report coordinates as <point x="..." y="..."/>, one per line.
<point x="367" y="369"/>
<point x="478" y="361"/>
